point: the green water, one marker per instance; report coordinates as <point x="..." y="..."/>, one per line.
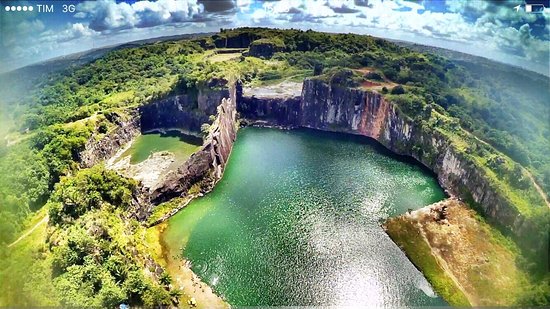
<point x="296" y="221"/>
<point x="181" y="145"/>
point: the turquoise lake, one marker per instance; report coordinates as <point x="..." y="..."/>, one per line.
<point x="296" y="220"/>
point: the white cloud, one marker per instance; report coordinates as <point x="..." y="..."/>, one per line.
<point x="491" y="29"/>
<point x="74" y="31"/>
<point x="107" y="15"/>
<point x="258" y="15"/>
<point x="244" y="5"/>
<point x="30" y="26"/>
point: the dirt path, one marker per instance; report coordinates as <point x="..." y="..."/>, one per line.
<point x="27" y="233"/>
<point x="537" y="187"/>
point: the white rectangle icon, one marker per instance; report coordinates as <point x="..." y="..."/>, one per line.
<point x="534" y="8"/>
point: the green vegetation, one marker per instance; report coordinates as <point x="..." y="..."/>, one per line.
<point x="25" y="269"/>
<point x="24" y="186"/>
<point x="93" y="252"/>
<point x="484" y="263"/>
<point x="405" y="234"/>
<point x="397" y="90"/>
<point x="164" y="208"/>
<point x="276" y="41"/>
<point x="496" y="118"/>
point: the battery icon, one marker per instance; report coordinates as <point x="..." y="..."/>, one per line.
<point x="534" y="8"/>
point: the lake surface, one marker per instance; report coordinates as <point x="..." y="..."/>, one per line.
<point x="181" y="145"/>
<point x="296" y="221"/>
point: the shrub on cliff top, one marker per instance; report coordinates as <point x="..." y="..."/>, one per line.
<point x="276" y="42"/>
<point x="398" y="90"/>
<point x="342" y="77"/>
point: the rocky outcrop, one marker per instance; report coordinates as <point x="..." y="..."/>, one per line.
<point x="208" y="99"/>
<point x="184" y="111"/>
<point x="340" y="109"/>
<point x="442" y="233"/>
<point x="275" y="111"/>
<point x="264" y="49"/>
<point x="241" y="40"/>
<point x="206" y="166"/>
<point x="179" y="111"/>
<point x="103" y="148"/>
<point x="275" y="104"/>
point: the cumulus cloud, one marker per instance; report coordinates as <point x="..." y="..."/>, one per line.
<point x="107" y="15"/>
<point x="487" y="28"/>
<point x="297" y="11"/>
<point x="71" y="32"/>
<point x="30" y="26"/>
<point x="490" y="26"/>
<point x="243" y="5"/>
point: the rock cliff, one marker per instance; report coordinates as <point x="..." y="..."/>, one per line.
<point x="97" y="150"/>
<point x="242" y="40"/>
<point x="264" y="49"/>
<point x="185" y="111"/>
<point x="205" y="167"/>
<point x="181" y="112"/>
<point x="340" y="109"/>
<point x="275" y="111"/>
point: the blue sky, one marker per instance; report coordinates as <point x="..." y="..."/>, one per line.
<point x="493" y="29"/>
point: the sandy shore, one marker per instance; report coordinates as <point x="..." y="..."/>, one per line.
<point x="187" y="281"/>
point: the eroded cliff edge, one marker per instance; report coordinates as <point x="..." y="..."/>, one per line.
<point x="189" y="112"/>
<point x="208" y="162"/>
<point x="331" y="107"/>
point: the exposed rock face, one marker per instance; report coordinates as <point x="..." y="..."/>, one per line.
<point x="242" y="40"/>
<point x="148" y="172"/>
<point x="209" y="99"/>
<point x="96" y="151"/>
<point x="334" y="108"/>
<point x="184" y="111"/>
<point x="277" y="104"/>
<point x="180" y="111"/>
<point x="276" y="111"/>
<point x="205" y="167"/>
<point x="264" y="49"/>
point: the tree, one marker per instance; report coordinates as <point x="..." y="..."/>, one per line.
<point x="398" y="90"/>
<point x="318" y="69"/>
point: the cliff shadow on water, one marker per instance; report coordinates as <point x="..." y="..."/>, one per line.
<point x="372" y="143"/>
